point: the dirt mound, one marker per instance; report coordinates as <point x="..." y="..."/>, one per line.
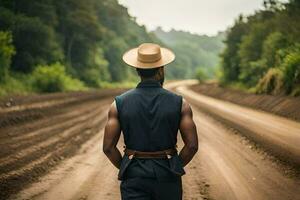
<point x="280" y="105"/>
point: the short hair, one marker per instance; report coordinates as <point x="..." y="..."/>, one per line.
<point x="147" y="73"/>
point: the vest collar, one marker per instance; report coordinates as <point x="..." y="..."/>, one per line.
<point x="149" y="83"/>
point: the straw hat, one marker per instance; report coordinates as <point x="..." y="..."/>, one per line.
<point x="148" y="55"/>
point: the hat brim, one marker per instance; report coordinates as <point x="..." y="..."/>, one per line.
<point x="131" y="58"/>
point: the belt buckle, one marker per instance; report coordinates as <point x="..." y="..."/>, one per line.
<point x="169" y="156"/>
<point x="132" y="155"/>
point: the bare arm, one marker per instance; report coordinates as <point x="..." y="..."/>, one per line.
<point x="188" y="133"/>
<point x="112" y="134"/>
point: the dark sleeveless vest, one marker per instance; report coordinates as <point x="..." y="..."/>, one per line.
<point x="149" y="116"/>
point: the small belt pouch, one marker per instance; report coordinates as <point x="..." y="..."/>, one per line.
<point x="124" y="164"/>
<point x="176" y="165"/>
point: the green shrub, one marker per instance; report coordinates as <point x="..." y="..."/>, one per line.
<point x="296" y="91"/>
<point x="238" y="86"/>
<point x="53" y="78"/>
<point x="7" y="50"/>
<point x="271" y="82"/>
<point x="285" y="77"/>
<point x="110" y="85"/>
<point x="16" y="84"/>
<point x="291" y="70"/>
<point x="201" y="75"/>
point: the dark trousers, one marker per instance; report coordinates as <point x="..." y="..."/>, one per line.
<point x="151" y="189"/>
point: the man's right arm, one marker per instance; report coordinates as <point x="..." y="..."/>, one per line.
<point x="188" y="133"/>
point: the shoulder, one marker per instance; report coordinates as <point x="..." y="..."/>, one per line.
<point x="170" y="93"/>
<point x="185" y="108"/>
<point x="113" y="112"/>
<point x="119" y="99"/>
<point x="127" y="93"/>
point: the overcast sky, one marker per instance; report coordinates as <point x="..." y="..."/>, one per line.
<point x="196" y="16"/>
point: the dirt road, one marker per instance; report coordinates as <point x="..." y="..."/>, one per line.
<point x="226" y="167"/>
<point x="277" y="134"/>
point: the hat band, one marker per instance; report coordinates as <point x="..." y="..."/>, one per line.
<point x="149" y="58"/>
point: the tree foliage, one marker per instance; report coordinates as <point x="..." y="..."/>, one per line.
<point x="192" y="52"/>
<point x="262" y="50"/>
<point x="86" y="36"/>
<point x="231" y="61"/>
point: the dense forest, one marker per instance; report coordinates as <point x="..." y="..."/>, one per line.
<point x="194" y="52"/>
<point x="50" y="45"/>
<point x="263" y="50"/>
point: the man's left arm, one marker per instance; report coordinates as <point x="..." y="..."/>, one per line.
<point x="112" y="134"/>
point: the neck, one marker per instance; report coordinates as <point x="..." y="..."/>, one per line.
<point x="151" y="78"/>
<point x="154" y="79"/>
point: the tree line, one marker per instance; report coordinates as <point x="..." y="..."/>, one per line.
<point x="81" y="39"/>
<point x="194" y="53"/>
<point x="263" y="50"/>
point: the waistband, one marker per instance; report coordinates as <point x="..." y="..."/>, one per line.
<point x="168" y="153"/>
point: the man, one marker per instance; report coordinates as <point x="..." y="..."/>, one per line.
<point x="150" y="117"/>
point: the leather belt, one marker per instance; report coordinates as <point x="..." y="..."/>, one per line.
<point x="168" y="153"/>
